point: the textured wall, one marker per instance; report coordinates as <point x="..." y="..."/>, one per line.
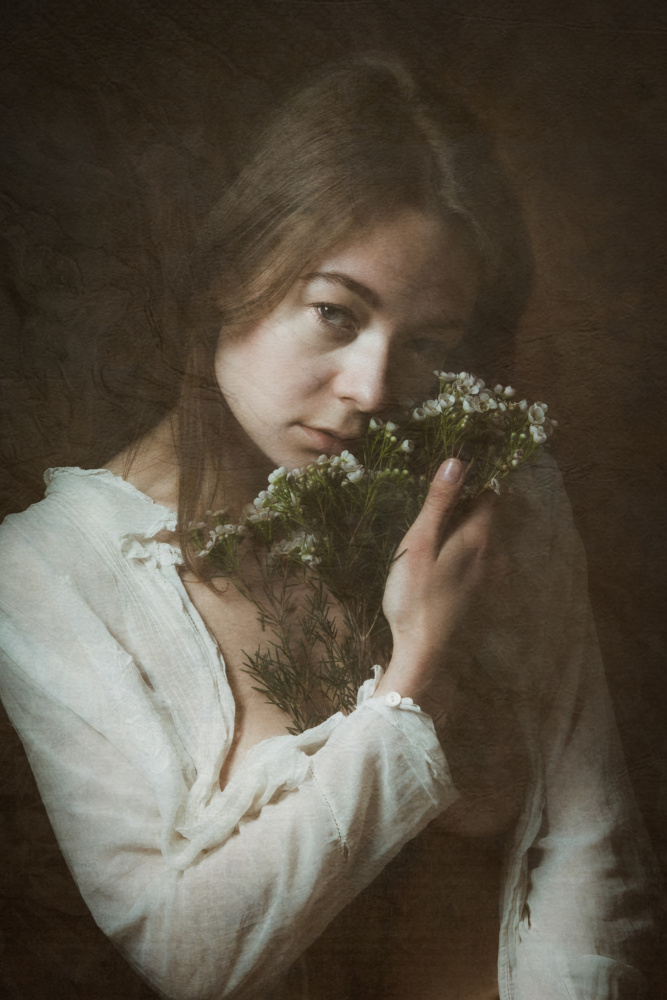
<point x="119" y="120"/>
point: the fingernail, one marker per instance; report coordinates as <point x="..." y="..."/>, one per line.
<point x="452" y="471"/>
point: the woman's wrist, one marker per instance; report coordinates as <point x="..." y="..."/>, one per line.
<point x="421" y="676"/>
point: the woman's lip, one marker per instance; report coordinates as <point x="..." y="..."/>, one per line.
<point x="325" y="440"/>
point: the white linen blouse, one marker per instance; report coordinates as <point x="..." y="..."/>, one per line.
<point x="119" y="694"/>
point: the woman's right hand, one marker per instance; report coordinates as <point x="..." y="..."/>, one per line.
<point x="435" y="596"/>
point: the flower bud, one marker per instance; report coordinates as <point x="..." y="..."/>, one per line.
<point x="277" y="474"/>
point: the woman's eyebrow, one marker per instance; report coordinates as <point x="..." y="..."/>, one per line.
<point x="336" y="278"/>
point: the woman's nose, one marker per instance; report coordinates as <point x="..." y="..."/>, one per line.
<point x="364" y="376"/>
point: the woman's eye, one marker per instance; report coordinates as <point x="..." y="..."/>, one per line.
<point x="335" y="315"/>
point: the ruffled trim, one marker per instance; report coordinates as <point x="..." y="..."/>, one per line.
<point x="367" y="689"/>
<point x="148" y="550"/>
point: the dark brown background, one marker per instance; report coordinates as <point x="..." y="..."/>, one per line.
<point x="118" y="122"/>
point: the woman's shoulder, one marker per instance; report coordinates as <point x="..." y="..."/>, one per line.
<point x="85" y="515"/>
<point x="79" y="501"/>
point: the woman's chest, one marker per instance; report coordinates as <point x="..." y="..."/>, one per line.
<point x="249" y="635"/>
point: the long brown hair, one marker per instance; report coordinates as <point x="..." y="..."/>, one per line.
<point x="356" y="145"/>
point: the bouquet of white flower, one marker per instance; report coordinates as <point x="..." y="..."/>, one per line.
<point x="324" y="537"/>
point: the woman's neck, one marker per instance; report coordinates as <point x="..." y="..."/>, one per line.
<point x="151" y="465"/>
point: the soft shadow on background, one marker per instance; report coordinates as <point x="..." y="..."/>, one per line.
<point x="120" y="124"/>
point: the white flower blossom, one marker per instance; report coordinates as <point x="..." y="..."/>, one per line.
<point x="298" y="542"/>
<point x="446" y="401"/>
<point x="277" y="474"/>
<point x="348" y="462"/>
<point x="523" y="405"/>
<point x="407" y="446"/>
<point x="230" y="529"/>
<point x="375" y="424"/>
<point x="356" y="475"/>
<point x="468" y="385"/>
<point x="494" y="485"/>
<point x="261" y="514"/>
<point x="432" y="408"/>
<point x="486" y="402"/>
<point x="537" y="434"/>
<point x="537" y="413"/>
<point x="390" y="427"/>
<point x="419" y="414"/>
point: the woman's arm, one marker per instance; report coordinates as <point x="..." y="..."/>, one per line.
<point x="229" y="921"/>
<point x="581" y="894"/>
<point x="219" y="900"/>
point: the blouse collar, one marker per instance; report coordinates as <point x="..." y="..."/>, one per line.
<point x="123" y="508"/>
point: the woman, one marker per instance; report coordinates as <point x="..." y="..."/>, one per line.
<point x="364" y="244"/>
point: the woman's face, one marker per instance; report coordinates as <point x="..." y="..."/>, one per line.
<point x="360" y="331"/>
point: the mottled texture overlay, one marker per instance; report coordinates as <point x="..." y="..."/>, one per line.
<point x="121" y="122"/>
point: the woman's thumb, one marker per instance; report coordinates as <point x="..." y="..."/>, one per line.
<point x="441" y="499"/>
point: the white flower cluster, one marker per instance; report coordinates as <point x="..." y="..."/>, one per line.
<point x="469" y="395"/>
<point x="487" y="427"/>
<point x="343" y="467"/>
<point x="346" y="463"/>
<point x="389" y="429"/>
<point x="298" y="544"/>
<point x="220" y="531"/>
<point x="541" y="426"/>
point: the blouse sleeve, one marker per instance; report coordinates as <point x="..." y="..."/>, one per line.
<point x="581" y="902"/>
<point x="221" y="916"/>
